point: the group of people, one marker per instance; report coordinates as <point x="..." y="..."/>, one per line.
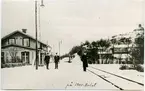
<point x="47" y="60"/>
<point x="57" y="58"/>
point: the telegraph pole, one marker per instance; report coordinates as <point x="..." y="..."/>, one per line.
<point x="36" y="34"/>
<point x="42" y="5"/>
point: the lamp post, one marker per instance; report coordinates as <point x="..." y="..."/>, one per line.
<point x="36" y="31"/>
<point x="36" y="34"/>
<point x="42" y="4"/>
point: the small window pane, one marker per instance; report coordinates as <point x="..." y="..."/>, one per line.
<point x="19" y="41"/>
<point x="12" y="41"/>
<point x="26" y="42"/>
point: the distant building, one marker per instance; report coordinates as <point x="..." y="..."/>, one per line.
<point x="121" y="51"/>
<point x="19" y="47"/>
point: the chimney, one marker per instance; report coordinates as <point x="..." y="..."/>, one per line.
<point x="24" y="30"/>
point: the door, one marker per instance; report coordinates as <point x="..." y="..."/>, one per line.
<point x="25" y="57"/>
<point x="41" y="54"/>
<point x="2" y="57"/>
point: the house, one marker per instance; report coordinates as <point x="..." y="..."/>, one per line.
<point x="19" y="47"/>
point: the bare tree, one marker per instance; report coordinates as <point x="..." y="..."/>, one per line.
<point x="13" y="53"/>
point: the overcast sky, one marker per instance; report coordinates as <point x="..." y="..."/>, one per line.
<point x="72" y="21"/>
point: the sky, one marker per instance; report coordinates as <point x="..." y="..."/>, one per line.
<point x="72" y="21"/>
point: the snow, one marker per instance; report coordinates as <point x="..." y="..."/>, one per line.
<point x="124" y="84"/>
<point x="68" y="76"/>
<point x="28" y="78"/>
<point x="114" y="68"/>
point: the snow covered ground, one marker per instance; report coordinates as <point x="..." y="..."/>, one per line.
<point x="68" y="76"/>
<point x="114" y="68"/>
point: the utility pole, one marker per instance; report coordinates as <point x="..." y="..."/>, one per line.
<point x="39" y="15"/>
<point x="36" y="34"/>
<point x="42" y="5"/>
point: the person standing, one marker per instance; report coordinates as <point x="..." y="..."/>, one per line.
<point x="56" y="60"/>
<point x="84" y="60"/>
<point x="47" y="59"/>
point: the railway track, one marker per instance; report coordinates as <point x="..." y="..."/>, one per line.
<point x="119" y="82"/>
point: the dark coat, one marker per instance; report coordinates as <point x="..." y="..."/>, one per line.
<point x="47" y="58"/>
<point x="56" y="59"/>
<point x="84" y="60"/>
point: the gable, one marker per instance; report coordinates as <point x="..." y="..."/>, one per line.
<point x="19" y="34"/>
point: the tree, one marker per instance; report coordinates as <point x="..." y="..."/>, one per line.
<point x="74" y="50"/>
<point x="87" y="43"/>
<point x="91" y="49"/>
<point x="13" y="53"/>
<point x="64" y="56"/>
<point x="138" y="51"/>
<point x="139" y="41"/>
<point x="107" y="58"/>
<point x="122" y="40"/>
<point x="103" y="45"/>
<point x="92" y="52"/>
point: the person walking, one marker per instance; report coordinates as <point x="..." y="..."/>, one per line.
<point x="56" y="60"/>
<point x="47" y="59"/>
<point x="84" y="60"/>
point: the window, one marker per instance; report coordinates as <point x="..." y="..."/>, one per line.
<point x="19" y="41"/>
<point x="11" y="41"/>
<point x="32" y="55"/>
<point x="26" y="42"/>
<point x="41" y="46"/>
<point x="7" y="41"/>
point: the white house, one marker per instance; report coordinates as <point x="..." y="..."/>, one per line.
<point x="19" y="47"/>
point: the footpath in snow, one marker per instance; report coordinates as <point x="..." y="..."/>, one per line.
<point x="68" y="76"/>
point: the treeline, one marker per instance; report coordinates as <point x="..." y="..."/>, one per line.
<point x="135" y="53"/>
